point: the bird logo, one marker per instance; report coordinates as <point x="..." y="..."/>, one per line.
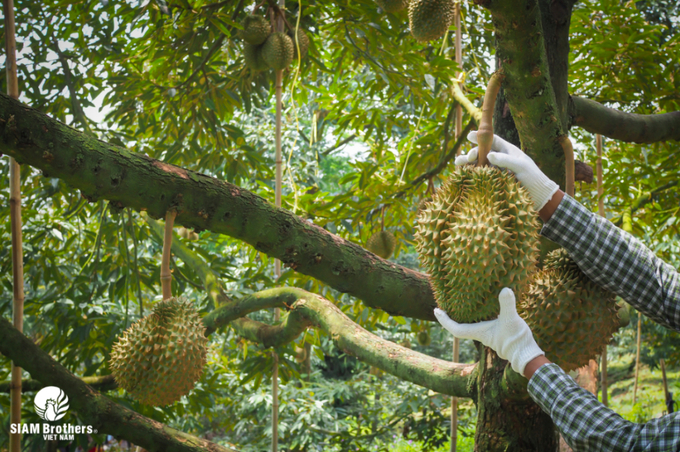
<point x="51" y="403"/>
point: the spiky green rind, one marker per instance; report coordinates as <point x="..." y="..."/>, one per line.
<point x="303" y="42"/>
<point x="159" y="358"/>
<point x="429" y="19"/>
<point x="392" y="6"/>
<point x="571" y="317"/>
<point x="277" y="51"/>
<point x="256" y="30"/>
<point x="478" y="235"/>
<point x="252" y="55"/>
<point x="382" y="244"/>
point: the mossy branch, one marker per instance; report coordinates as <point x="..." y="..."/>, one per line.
<point x="100" y="383"/>
<point x="100" y="412"/>
<point x="101" y="170"/>
<point x="596" y="118"/>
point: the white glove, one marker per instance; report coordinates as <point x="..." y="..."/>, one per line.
<point x="509" y="335"/>
<point x="506" y="155"/>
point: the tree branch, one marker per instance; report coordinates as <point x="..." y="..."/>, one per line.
<point x="339" y="144"/>
<point x="98" y="410"/>
<point x="596" y="118"/>
<point x="102" y="170"/>
<point x="100" y="383"/>
<point x="641" y="201"/>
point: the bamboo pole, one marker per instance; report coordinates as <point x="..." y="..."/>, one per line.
<point x="600" y="211"/>
<point x="166" y="275"/>
<point x="458" y="129"/>
<point x="278" y="26"/>
<point x="662" y="363"/>
<point x="15" y="220"/>
<point x="637" y="357"/>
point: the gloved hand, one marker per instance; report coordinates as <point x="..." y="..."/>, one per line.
<point x="508" y="335"/>
<point x="506" y="155"/>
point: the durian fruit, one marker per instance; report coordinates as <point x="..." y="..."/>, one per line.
<point x="300" y="354"/>
<point x="277" y="51"/>
<point x="252" y="55"/>
<point x="303" y="42"/>
<point x="424" y="338"/>
<point x="478" y="235"/>
<point x="256" y="29"/>
<point x="429" y="19"/>
<point x="382" y="244"/>
<point x="159" y="358"/>
<point x="572" y="318"/>
<point x="392" y="6"/>
<point x="406" y="343"/>
<point x="187" y="234"/>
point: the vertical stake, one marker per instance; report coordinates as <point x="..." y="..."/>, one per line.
<point x="278" y="26"/>
<point x="458" y="129"/>
<point x="600" y="211"/>
<point x="637" y="358"/>
<point x="15" y="220"/>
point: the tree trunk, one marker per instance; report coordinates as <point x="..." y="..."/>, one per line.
<point x="506" y="422"/>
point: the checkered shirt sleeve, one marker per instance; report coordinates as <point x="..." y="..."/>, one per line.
<point x="617" y="261"/>
<point x="587" y="425"/>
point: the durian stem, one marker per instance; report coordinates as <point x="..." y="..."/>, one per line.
<point x="166" y="276"/>
<point x="568" y="149"/>
<point x="15" y="226"/>
<point x="485" y="130"/>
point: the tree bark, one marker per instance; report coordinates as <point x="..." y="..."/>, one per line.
<point x="104" y="171"/>
<point x="532" y="111"/>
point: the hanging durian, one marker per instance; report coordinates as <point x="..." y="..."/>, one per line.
<point x="430" y="19"/>
<point x="256" y="30"/>
<point x="302" y="41"/>
<point x="424" y="338"/>
<point x="478" y="235"/>
<point x="252" y="55"/>
<point x="277" y="51"/>
<point x="159" y="358"/>
<point x="382" y="244"/>
<point x="392" y="6"/>
<point x="571" y="317"/>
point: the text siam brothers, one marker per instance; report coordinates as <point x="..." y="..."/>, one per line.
<point x="51" y="404"/>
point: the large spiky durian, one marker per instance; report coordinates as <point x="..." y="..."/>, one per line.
<point x="159" y="358"/>
<point x="277" y="51"/>
<point x="252" y="55"/>
<point x="572" y="318"/>
<point x="256" y="30"/>
<point x="393" y="6"/>
<point x="302" y="41"/>
<point x="382" y="243"/>
<point x="429" y="19"/>
<point x="478" y="235"/>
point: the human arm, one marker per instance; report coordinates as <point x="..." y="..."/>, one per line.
<point x="587" y="425"/>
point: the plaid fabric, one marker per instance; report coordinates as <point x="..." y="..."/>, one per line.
<point x="622" y="264"/>
<point x="587" y="425"/>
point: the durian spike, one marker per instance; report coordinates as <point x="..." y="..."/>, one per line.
<point x="485" y="130"/>
<point x="568" y="149"/>
<point x="166" y="276"/>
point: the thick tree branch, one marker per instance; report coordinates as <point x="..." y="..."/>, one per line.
<point x="100" y="383"/>
<point x="101" y="170"/>
<point x="98" y="410"/>
<point x="596" y="118"/>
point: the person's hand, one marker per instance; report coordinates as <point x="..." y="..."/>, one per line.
<point x="506" y="155"/>
<point x="509" y="335"/>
